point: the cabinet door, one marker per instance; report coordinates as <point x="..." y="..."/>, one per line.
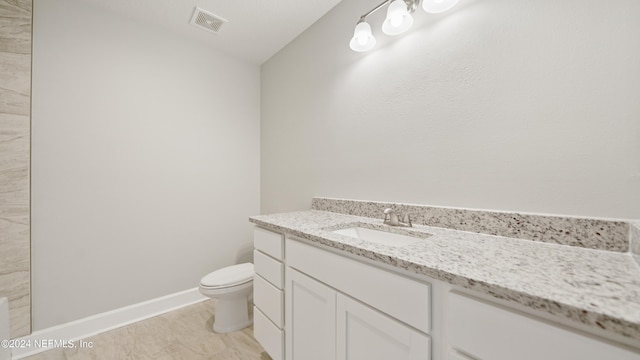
<point x="310" y="318"/>
<point x="364" y="333"/>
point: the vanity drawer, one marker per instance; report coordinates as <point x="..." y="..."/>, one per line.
<point x="267" y="334"/>
<point x="270" y="269"/>
<point x="405" y="299"/>
<point x="269" y="242"/>
<point x="486" y="331"/>
<point x="268" y="299"/>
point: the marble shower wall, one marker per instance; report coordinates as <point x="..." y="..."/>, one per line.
<point x="15" y="135"/>
<point x="634" y="240"/>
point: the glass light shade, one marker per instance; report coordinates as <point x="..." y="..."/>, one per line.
<point x="398" y="18"/>
<point x="438" y="6"/>
<point x="362" y="39"/>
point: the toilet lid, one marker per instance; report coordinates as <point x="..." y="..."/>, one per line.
<point x="229" y="276"/>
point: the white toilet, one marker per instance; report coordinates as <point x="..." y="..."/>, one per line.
<point x="232" y="287"/>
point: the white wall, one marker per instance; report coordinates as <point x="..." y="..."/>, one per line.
<point x="145" y="161"/>
<point x="507" y="105"/>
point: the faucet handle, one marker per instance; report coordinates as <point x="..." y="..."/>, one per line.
<point x="407" y="219"/>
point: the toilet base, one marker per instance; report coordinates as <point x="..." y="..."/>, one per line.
<point x="231" y="315"/>
<point x="236" y="327"/>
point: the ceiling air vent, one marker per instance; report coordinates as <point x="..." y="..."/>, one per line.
<point x="207" y="21"/>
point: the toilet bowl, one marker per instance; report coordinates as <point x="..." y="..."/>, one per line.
<point x="232" y="287"/>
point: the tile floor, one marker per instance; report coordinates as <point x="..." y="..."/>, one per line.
<point x="181" y="334"/>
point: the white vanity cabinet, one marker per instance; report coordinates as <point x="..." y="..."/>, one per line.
<point x="268" y="291"/>
<point x="320" y="303"/>
<point x="340" y="308"/>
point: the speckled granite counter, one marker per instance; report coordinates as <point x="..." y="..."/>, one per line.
<point x="598" y="288"/>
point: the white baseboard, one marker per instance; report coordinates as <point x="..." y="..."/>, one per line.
<point x="96" y="324"/>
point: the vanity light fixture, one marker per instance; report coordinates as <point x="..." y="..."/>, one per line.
<point x="398" y="20"/>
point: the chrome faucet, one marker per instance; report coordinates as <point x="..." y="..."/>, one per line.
<point x="393" y="219"/>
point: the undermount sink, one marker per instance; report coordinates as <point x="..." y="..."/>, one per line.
<point x="377" y="236"/>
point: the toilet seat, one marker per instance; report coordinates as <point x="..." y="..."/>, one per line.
<point x="228" y="277"/>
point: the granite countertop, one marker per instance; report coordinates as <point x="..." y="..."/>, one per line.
<point x="597" y="288"/>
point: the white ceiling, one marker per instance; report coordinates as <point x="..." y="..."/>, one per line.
<point x="255" y="30"/>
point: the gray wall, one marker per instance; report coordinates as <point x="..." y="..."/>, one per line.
<point x="145" y="161"/>
<point x="506" y="105"/>
<point x="15" y="88"/>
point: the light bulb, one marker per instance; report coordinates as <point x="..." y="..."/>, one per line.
<point x="396" y="21"/>
<point x="362" y="39"/>
<point x="438" y="6"/>
<point x="398" y="18"/>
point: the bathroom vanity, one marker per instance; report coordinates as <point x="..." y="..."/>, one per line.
<point x="321" y="294"/>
